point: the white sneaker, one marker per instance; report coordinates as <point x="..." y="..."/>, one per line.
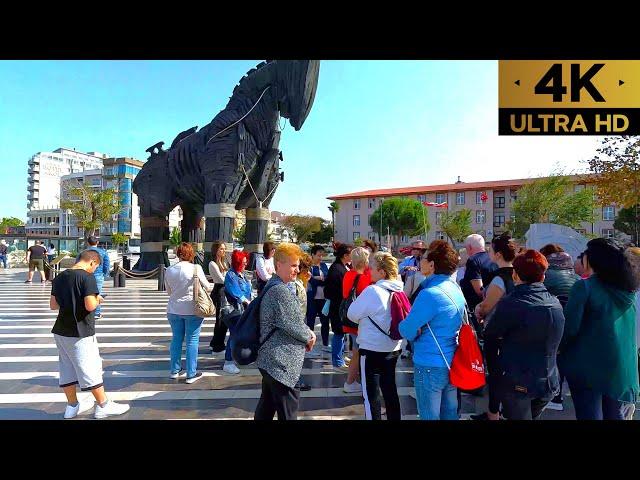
<point x="110" y="409"/>
<point x="82" y="406"/>
<point x="231" y="368"/>
<point x="354" y="387"/>
<point x="181" y="373"/>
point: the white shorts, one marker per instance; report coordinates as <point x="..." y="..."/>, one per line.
<point x="79" y="362"/>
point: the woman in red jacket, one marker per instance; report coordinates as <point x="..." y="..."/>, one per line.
<point x="359" y="270"/>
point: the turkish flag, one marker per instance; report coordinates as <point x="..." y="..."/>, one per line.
<point x="434" y="204"/>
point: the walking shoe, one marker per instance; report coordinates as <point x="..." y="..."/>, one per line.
<point x="354" y="387"/>
<point x="405" y="354"/>
<point x="231" y="368"/>
<point x="554" y="405"/>
<point x="110" y="409"/>
<point x="179" y="374"/>
<point x="303" y="387"/>
<point x="480" y="416"/>
<point x="194" y="379"/>
<point x="82" y="406"/>
<point x="97" y="316"/>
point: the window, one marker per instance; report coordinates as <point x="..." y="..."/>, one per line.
<point x="404" y="239"/>
<point x="441" y="197"/>
<point x="372" y="236"/>
<point x="460" y="198"/>
<point x="608" y="233"/>
<point x="356" y="220"/>
<point x="422" y="198"/>
<point x="608" y="213"/>
<point x="439" y="235"/>
<point x="481" y="216"/>
<point x="479" y="198"/>
<point x="369" y="219"/>
<point x="356" y="204"/>
<point x="498" y="219"/>
<point x="581" y="231"/>
<point x="438" y="218"/>
<point x="356" y="235"/>
<point x="498" y="199"/>
<point x="372" y="203"/>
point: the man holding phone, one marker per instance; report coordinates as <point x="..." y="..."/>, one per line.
<point x="75" y="294"/>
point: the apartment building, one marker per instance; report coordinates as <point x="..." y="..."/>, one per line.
<point x="490" y="204"/>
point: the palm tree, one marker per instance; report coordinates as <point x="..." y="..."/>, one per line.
<point x="333" y="208"/>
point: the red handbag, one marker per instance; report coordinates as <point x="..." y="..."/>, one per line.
<point x="466" y="371"/>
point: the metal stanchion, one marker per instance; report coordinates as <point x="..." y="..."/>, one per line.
<point x="122" y="280"/>
<point x="161" y="271"/>
<point x="116" y="283"/>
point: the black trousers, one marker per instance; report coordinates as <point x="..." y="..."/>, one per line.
<point x="220" y="329"/>
<point x="493" y="379"/>
<point x="378" y="372"/>
<point x="276" y="398"/>
<point x="314" y="308"/>
<point x="519" y="406"/>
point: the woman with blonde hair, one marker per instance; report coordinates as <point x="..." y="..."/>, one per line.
<point x="378" y="352"/>
<point x="218" y="269"/>
<point x="359" y="271"/>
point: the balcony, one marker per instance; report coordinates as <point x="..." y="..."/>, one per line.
<point x="34" y="177"/>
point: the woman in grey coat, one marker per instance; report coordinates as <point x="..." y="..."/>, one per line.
<point x="286" y="337"/>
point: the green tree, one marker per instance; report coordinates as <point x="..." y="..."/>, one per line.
<point x="240" y="234"/>
<point x="400" y="216"/>
<point x="323" y="235"/>
<point x="303" y="226"/>
<point x="119" y="239"/>
<point x="7" y="222"/>
<point x="91" y="207"/>
<point x="628" y="221"/>
<point x="551" y="200"/>
<point x="616" y="171"/>
<point x="456" y="225"/>
<point x="175" y="238"/>
<point x="333" y="208"/>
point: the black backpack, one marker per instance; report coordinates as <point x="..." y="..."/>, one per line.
<point x="346" y="303"/>
<point x="245" y="331"/>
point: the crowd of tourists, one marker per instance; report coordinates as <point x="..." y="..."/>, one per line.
<point x="539" y="318"/>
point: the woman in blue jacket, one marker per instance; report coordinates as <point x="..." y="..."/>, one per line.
<point x="432" y="326"/>
<point x="237" y="290"/>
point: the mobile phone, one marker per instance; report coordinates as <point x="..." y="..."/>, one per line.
<point x="103" y="295"/>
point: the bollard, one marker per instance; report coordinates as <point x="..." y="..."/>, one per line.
<point x="126" y="262"/>
<point x="116" y="277"/>
<point x="161" y="271"/>
<point x="122" y="279"/>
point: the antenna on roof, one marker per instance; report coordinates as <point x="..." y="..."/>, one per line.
<point x="459" y="181"/>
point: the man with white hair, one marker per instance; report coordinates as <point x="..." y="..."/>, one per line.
<point x="478" y="271"/>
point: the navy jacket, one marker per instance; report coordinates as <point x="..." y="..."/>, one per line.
<point x="527" y="325"/>
<point x="313" y="283"/>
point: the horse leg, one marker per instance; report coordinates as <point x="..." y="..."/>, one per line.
<point x="190" y="226"/>
<point x="154" y="238"/>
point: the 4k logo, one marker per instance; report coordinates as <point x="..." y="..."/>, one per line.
<point x="551" y="83"/>
<point x="572" y="97"/>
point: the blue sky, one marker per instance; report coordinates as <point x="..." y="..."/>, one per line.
<point x="374" y="124"/>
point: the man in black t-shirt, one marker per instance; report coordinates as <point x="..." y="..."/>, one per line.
<point x="36" y="255"/>
<point x="75" y="295"/>
<point x="478" y="274"/>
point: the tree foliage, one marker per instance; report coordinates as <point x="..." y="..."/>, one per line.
<point x="240" y="234"/>
<point x="456" y="225"/>
<point x="91" y="207"/>
<point x="400" y="216"/>
<point x="616" y="171"/>
<point x="323" y="235"/>
<point x="333" y="207"/>
<point x="303" y="226"/>
<point x="628" y="221"/>
<point x="8" y="222"/>
<point x="175" y="237"/>
<point x="119" y="239"/>
<point x="551" y="200"/>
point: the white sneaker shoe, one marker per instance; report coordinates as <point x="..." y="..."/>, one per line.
<point x="111" y="409"/>
<point x="82" y="406"/>
<point x="354" y="387"/>
<point x="231" y="368"/>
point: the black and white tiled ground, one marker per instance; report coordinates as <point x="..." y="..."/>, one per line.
<point x="134" y="338"/>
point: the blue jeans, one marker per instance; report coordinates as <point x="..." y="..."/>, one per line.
<point x="592" y="405"/>
<point x="227" y="352"/>
<point x="100" y="283"/>
<point x="337" y="349"/>
<point x="437" y="399"/>
<point x="3" y="259"/>
<point x="182" y="326"/>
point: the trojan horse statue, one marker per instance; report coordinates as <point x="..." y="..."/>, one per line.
<point x="230" y="164"/>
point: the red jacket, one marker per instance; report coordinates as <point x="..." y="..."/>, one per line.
<point x="347" y="285"/>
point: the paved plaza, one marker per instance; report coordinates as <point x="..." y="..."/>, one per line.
<point x="134" y="338"/>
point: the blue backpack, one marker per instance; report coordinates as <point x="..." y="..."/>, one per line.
<point x="245" y="331"/>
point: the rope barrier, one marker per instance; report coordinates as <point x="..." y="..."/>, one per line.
<point x="138" y="275"/>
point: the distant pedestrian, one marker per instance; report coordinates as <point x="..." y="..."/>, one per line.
<point x="4" y="253"/>
<point x="102" y="271"/>
<point x="264" y="265"/>
<point x="218" y="269"/>
<point x="75" y="295"/>
<point x="36" y="255"/>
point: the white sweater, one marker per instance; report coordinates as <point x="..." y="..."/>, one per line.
<point x="178" y="280"/>
<point x="265" y="268"/>
<point x="374" y="302"/>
